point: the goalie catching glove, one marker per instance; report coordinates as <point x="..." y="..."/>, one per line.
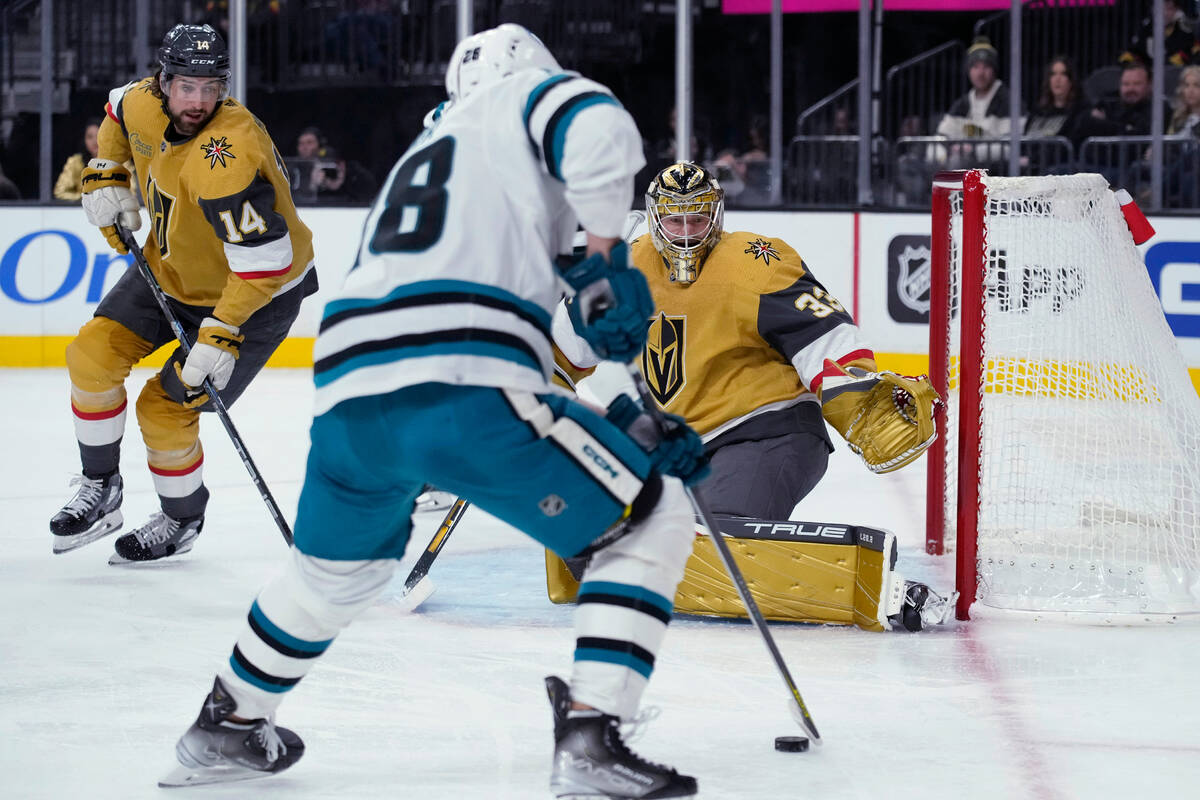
<point x="213" y="355"/>
<point x="887" y="419"/>
<point x="108" y="199"/>
<point x="612" y="304"/>
<point x="674" y="448"/>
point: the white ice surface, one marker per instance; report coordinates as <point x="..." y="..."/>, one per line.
<point x="101" y="668"/>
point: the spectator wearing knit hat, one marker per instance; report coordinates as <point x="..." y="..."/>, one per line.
<point x="983" y="111"/>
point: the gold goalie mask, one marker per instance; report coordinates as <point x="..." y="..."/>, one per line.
<point x="686" y="207"/>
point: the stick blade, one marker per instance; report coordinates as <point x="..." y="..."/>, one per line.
<point x="418" y="594"/>
<point x="805" y="722"/>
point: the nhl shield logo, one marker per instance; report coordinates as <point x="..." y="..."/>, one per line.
<point x="913" y="278"/>
<point x="909" y="277"/>
<point x="663" y="358"/>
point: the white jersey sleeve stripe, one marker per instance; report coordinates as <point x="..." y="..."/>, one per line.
<point x="556" y="129"/>
<point x="260" y="260"/>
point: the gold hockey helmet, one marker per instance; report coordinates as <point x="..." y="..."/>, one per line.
<point x="686" y="206"/>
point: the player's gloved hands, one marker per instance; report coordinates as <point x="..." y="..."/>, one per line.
<point x="108" y="198"/>
<point x="674" y="448"/>
<point x="213" y="355"/>
<point x="612" y="304"/>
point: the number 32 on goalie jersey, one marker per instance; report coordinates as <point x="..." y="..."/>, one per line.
<point x="414" y="211"/>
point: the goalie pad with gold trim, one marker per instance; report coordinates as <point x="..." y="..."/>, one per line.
<point x="797" y="571"/>
<point x="885" y="418"/>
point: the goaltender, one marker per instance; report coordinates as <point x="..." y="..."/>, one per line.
<point x="757" y="356"/>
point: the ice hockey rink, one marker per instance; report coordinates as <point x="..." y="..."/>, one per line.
<point x="101" y="667"/>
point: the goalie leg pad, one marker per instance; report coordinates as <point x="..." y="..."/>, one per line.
<point x="293" y="621"/>
<point x="625" y="602"/>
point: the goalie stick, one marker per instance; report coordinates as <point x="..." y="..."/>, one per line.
<point x="218" y="403"/>
<point x="798" y="709"/>
<point x="418" y="586"/>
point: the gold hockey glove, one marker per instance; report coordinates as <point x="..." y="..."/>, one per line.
<point x="887" y="419"/>
<point x="107" y="198"/>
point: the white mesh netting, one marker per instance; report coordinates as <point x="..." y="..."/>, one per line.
<point x="1090" y="431"/>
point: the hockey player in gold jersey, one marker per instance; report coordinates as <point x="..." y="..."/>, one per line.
<point x="756" y="355"/>
<point x="233" y="258"/>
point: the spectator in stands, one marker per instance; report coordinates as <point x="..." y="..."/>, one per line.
<point x="916" y="163"/>
<point x="744" y="175"/>
<point x="314" y="170"/>
<point x="349" y="183"/>
<point x="1185" y="115"/>
<point x="321" y="175"/>
<point x="982" y="113"/>
<point x="1179" y="37"/>
<point x="1181" y="184"/>
<point x="1061" y="108"/>
<point x="1129" y="113"/>
<point x="67" y="187"/>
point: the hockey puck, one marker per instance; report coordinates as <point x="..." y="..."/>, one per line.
<point x="791" y="744"/>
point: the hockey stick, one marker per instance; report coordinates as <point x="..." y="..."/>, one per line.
<point x="798" y="709"/>
<point x="417" y="587"/>
<point x="217" y="402"/>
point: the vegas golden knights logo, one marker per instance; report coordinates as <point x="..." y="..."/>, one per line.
<point x="662" y="360"/>
<point x="159" y="205"/>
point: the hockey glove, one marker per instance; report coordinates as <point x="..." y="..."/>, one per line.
<point x="887" y="419"/>
<point x="108" y="198"/>
<point x="213" y="355"/>
<point x="674" y="448"/>
<point x="612" y="304"/>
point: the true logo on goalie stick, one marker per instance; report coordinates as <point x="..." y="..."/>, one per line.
<point x="663" y="360"/>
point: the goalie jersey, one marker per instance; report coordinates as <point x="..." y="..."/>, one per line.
<point x="740" y="352"/>
<point x="223" y="229"/>
<point x="455" y="280"/>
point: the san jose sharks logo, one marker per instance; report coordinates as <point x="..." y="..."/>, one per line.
<point x="663" y="358"/>
<point x="217" y="150"/>
<point x="760" y="249"/>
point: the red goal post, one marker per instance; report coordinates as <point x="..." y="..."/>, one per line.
<point x="1066" y="474"/>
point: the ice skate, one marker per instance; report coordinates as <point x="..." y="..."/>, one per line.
<point x="923" y="607"/>
<point x="434" y="500"/>
<point x="592" y="761"/>
<point x="161" y="537"/>
<point x="94" y="512"/>
<point x="215" y="750"/>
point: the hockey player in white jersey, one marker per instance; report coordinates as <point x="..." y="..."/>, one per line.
<point x="433" y="366"/>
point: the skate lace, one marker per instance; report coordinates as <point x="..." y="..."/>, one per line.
<point x="636" y="728"/>
<point x="268" y="739"/>
<point x="157" y="530"/>
<point x="89" y="492"/>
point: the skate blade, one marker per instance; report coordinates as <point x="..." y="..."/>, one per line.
<point x="433" y="501"/>
<point x="117" y="560"/>
<point x="606" y="796"/>
<point x="110" y="524"/>
<point x="199" y="776"/>
<point x="409" y="601"/>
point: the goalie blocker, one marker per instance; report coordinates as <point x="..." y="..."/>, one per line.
<point x="798" y="571"/>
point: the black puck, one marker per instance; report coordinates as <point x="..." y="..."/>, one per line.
<point x="791" y="744"/>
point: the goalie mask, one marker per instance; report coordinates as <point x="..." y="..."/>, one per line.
<point x="489" y="56"/>
<point x="194" y="51"/>
<point x="686" y="206"/>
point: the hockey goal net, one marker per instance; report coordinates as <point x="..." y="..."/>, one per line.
<point x="1067" y="474"/>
